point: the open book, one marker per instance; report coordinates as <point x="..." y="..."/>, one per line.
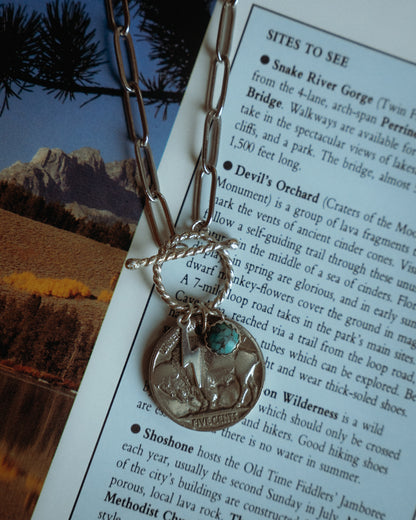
<point x="317" y="181"/>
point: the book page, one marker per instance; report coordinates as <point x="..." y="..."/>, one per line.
<point x="316" y="180"/>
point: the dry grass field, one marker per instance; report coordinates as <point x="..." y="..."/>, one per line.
<point x="27" y="245"/>
<point x="49" y="252"/>
<point x="56" y="341"/>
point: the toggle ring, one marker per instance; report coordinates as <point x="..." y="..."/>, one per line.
<point x="167" y="252"/>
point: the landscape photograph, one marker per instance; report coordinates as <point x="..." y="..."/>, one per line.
<point x="69" y="203"/>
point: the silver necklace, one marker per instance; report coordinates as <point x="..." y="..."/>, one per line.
<point x="207" y="372"/>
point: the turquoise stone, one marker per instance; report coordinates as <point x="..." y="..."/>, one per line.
<point x="222" y="338"/>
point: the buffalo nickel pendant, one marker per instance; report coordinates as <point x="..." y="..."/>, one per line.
<point x="207" y="379"/>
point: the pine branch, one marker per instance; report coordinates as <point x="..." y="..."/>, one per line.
<point x="52" y="86"/>
<point x="57" y="50"/>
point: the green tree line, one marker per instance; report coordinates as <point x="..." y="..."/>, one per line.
<point x="16" y="199"/>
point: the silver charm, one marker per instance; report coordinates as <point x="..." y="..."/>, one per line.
<point x="199" y="388"/>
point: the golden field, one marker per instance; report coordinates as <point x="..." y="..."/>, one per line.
<point x="49" y="252"/>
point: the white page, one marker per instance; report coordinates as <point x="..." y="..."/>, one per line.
<point x="324" y="243"/>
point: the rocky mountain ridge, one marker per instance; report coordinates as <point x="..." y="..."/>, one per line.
<point x="82" y="182"/>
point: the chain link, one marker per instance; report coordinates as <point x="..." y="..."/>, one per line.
<point x="212" y="126"/>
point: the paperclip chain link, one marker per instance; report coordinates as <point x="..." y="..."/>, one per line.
<point x="132" y="95"/>
<point x="212" y="127"/>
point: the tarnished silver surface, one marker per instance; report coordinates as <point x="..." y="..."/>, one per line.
<point x="203" y="390"/>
